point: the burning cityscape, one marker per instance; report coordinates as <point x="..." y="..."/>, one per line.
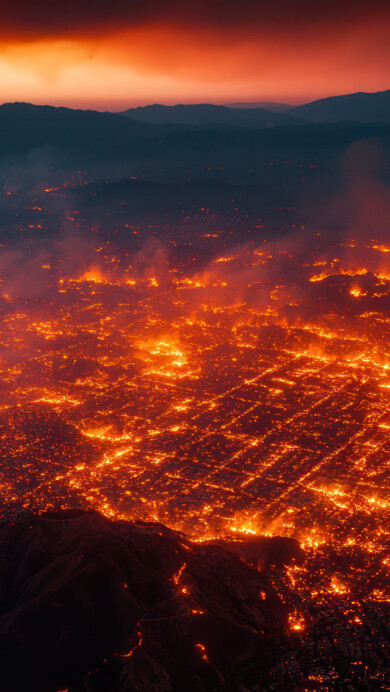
<point x="247" y="398"/>
<point x="195" y="346"/>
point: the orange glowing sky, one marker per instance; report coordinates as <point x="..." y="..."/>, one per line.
<point x="116" y="55"/>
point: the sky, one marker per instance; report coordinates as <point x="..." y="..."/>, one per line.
<point x="116" y="54"/>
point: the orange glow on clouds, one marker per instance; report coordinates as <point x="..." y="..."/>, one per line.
<point x="170" y="64"/>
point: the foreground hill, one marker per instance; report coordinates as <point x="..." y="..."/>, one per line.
<point x="90" y="604"/>
<point x="363" y="107"/>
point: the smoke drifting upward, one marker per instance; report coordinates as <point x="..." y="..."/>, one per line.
<point x="34" y="271"/>
<point x="151" y="261"/>
<point x="257" y="274"/>
<point x="362" y="203"/>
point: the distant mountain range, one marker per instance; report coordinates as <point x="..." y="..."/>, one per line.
<point x="189" y="130"/>
<point x="79" y="137"/>
<point x="24" y="127"/>
<point x="361" y="107"/>
<point x="270" y="168"/>
<point x="268" y="105"/>
<point x="203" y="114"/>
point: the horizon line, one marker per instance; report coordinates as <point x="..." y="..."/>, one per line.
<point x="251" y="103"/>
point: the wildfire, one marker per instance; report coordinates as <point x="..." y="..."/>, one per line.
<point x="221" y="403"/>
<point x="202" y="649"/>
<point x="296" y="622"/>
<point x="356" y="291"/>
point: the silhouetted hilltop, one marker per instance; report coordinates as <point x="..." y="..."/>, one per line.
<point x="276" y="107"/>
<point x="363" y="107"/>
<point x="209" y="114"/>
<point x="24" y="126"/>
<point x="127" y="606"/>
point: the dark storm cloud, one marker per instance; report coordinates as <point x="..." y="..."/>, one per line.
<point x="26" y="19"/>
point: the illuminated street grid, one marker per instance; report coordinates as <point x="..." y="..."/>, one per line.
<point x="253" y="396"/>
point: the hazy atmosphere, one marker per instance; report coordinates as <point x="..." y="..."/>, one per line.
<point x="194" y="346"/>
